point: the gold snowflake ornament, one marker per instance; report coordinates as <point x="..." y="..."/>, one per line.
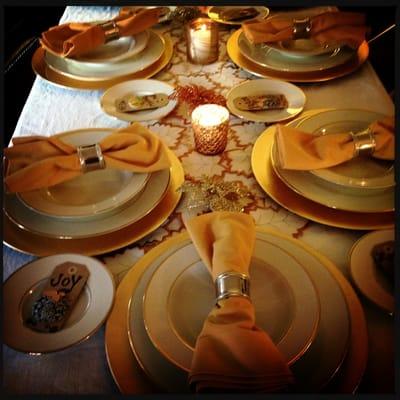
<point x="213" y="194"/>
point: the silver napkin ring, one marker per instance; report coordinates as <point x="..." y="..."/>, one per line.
<point x="364" y="143"/>
<point x="111" y="30"/>
<point x="232" y="283"/>
<point x="90" y="157"/>
<point x="301" y="28"/>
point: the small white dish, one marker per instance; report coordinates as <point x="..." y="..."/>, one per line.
<point x="138" y="87"/>
<point x="115" y="50"/>
<point x="369" y="280"/>
<point x="294" y="95"/>
<point x="24" y="287"/>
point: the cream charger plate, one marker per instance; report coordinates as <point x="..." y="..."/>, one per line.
<point x="328" y="356"/>
<point x="361" y="172"/>
<point x="90" y="195"/>
<point x="268" y="57"/>
<point x="113" y="51"/>
<point x="139" y="87"/>
<point x="367" y="277"/>
<point x="294" y="95"/>
<point x="286" y="303"/>
<point x="132" y="211"/>
<point x="138" y="62"/>
<point x="24" y="287"/>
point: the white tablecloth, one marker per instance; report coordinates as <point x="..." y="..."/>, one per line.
<point x="50" y="109"/>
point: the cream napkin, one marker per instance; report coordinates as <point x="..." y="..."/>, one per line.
<point x="73" y="38"/>
<point x="333" y="27"/>
<point x="303" y="151"/>
<point x="232" y="354"/>
<point x="35" y="162"/>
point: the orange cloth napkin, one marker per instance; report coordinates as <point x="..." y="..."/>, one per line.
<point x="333" y="27"/>
<point x="303" y="151"/>
<point x="35" y="162"/>
<point x="73" y="39"/>
<point x="232" y="353"/>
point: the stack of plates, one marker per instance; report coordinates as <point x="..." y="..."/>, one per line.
<point x="358" y="194"/>
<point x="300" y="60"/>
<point x="301" y="300"/>
<point x="130" y="57"/>
<point x="95" y="213"/>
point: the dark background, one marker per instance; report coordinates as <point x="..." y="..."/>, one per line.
<point x="23" y="24"/>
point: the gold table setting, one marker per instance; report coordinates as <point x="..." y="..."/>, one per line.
<point x="201" y="200"/>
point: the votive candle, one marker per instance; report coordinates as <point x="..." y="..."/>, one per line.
<point x="210" y="124"/>
<point x="202" y="41"/>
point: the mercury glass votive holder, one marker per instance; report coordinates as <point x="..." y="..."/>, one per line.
<point x="210" y="124"/>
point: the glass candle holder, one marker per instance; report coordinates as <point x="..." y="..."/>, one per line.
<point x="210" y="124"/>
<point x="202" y="41"/>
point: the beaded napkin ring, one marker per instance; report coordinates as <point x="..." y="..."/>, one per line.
<point x="231" y="284"/>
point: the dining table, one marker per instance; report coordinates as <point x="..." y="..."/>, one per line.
<point x="50" y="109"/>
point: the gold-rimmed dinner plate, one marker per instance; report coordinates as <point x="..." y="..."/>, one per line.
<point x="266" y="56"/>
<point x="105" y="71"/>
<point x="137" y="87"/>
<point x="271" y="184"/>
<point x="295" y="97"/>
<point x="361" y="172"/>
<point x="332" y="196"/>
<point x="237" y="57"/>
<point x="91" y="195"/>
<point x="32" y="243"/>
<point x="114" y="51"/>
<point x="366" y="275"/>
<point x="24" y="287"/>
<point x="131" y="378"/>
<point x="302" y="48"/>
<point x="120" y="217"/>
<point x="41" y="69"/>
<point x="218" y="14"/>
<point x="285" y="300"/>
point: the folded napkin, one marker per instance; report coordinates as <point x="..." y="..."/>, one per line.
<point x="73" y="39"/>
<point x="304" y="151"/>
<point x="333" y="27"/>
<point x="35" y="162"/>
<point x="232" y="354"/>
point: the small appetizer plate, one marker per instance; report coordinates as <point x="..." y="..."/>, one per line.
<point x="260" y="87"/>
<point x="25" y="286"/>
<point x="139" y="87"/>
<point x="366" y="275"/>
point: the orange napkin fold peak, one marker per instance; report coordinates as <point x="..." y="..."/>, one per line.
<point x="74" y="39"/>
<point x="332" y="27"/>
<point x="232" y="354"/>
<point x="299" y="150"/>
<point x="35" y="162"/>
